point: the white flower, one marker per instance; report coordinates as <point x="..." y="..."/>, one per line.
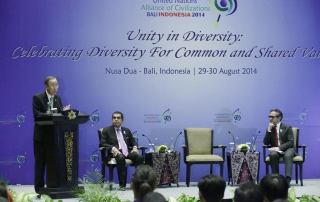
<point x="243" y="146"/>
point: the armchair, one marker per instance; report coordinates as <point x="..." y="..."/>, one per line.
<point x="199" y="150"/>
<point x="297" y="160"/>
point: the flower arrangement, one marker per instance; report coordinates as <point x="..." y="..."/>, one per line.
<point x="243" y="147"/>
<point x="162" y="148"/>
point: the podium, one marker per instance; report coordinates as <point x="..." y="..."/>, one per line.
<point x="61" y="139"/>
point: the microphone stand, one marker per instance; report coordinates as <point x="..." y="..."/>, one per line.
<point x="149" y="141"/>
<point x="59" y="105"/>
<point x="233" y="138"/>
<point x="174" y="146"/>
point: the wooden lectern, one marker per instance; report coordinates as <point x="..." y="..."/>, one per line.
<point x="62" y="144"/>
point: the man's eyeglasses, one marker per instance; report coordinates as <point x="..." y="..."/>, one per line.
<point x="272" y="117"/>
<point x="116" y="117"/>
<point x="54" y="85"/>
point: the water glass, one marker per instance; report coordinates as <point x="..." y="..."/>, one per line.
<point x="231" y="146"/>
<point x="249" y="144"/>
<point x="151" y="148"/>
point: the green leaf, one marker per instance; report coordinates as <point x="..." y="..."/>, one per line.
<point x="292" y="195"/>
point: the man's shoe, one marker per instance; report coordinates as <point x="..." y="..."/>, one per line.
<point x="289" y="180"/>
<point x="121" y="189"/>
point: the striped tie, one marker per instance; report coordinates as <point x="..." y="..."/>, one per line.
<point x="51" y="102"/>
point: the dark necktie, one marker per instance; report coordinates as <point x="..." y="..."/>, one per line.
<point x="276" y="135"/>
<point x="122" y="143"/>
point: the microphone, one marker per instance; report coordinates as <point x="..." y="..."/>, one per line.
<point x="174" y="146"/>
<point x="254" y="141"/>
<point x="233" y="138"/>
<point x="149" y="141"/>
<point x="59" y="105"/>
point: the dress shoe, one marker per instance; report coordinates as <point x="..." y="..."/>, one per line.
<point x="121" y="189"/>
<point x="288" y="180"/>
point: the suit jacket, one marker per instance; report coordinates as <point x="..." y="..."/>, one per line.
<point x="285" y="137"/>
<point x="109" y="138"/>
<point x="39" y="107"/>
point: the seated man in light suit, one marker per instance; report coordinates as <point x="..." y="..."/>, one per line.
<point x="280" y="137"/>
<point x="119" y="139"/>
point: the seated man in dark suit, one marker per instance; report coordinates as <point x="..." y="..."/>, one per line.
<point x="119" y="139"/>
<point x="280" y="137"/>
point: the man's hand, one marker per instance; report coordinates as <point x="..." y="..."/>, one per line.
<point x="135" y="149"/>
<point x="66" y="107"/>
<point x="116" y="152"/>
<point x="274" y="149"/>
<point x="270" y="127"/>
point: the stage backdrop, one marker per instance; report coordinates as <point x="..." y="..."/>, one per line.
<point x="167" y="65"/>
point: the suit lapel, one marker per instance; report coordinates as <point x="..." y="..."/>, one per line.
<point x="45" y="99"/>
<point x="281" y="130"/>
<point x="114" y="134"/>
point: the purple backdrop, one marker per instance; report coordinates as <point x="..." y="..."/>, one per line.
<point x="165" y="70"/>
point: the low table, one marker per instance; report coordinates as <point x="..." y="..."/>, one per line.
<point x="166" y="165"/>
<point x="243" y="167"/>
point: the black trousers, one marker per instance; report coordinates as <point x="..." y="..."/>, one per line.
<point x="287" y="156"/>
<point x="137" y="160"/>
<point x="39" y="153"/>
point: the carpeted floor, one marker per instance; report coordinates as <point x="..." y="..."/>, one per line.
<point x="311" y="186"/>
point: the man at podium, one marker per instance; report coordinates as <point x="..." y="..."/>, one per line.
<point x="43" y="103"/>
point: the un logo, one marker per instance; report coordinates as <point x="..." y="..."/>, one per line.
<point x="166" y="116"/>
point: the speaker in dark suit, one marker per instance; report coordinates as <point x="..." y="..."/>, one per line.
<point x="280" y="137"/>
<point x="40" y="103"/>
<point x="111" y="137"/>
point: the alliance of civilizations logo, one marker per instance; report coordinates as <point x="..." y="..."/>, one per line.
<point x="20" y="118"/>
<point x="136" y="136"/>
<point x="228" y="116"/>
<point x="158" y="118"/>
<point x="189" y="8"/>
<point x="226" y="7"/>
<point x="301" y="116"/>
<point x="10" y="160"/>
<point x="90" y="158"/>
<point x="94" y="117"/>
<point x="166" y="116"/>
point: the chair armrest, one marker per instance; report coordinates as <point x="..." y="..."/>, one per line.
<point x="185" y="153"/>
<point x="219" y="146"/>
<point x="264" y="151"/>
<point x="223" y="147"/>
<point x="303" y="151"/>
<point x="143" y="150"/>
<point x="104" y="152"/>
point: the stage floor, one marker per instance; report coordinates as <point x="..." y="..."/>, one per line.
<point x="311" y="186"/>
